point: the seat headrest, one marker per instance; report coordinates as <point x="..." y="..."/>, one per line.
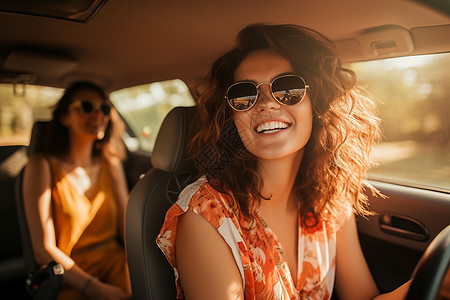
<point x="169" y="153"/>
<point x="12" y="159"/>
<point x="37" y="137"/>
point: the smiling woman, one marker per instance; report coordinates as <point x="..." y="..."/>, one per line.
<point x="293" y="124"/>
<point x="75" y="194"/>
<point x="275" y="198"/>
<point x="140" y="52"/>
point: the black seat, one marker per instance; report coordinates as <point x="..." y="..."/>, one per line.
<point x="12" y="264"/>
<point x="152" y="277"/>
<point x="43" y="281"/>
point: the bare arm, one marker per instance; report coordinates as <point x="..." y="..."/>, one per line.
<point x="38" y="211"/>
<point x="205" y="262"/>
<point x="351" y="268"/>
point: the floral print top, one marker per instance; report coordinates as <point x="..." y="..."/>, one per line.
<point x="256" y="249"/>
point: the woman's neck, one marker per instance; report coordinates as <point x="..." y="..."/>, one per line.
<point x="278" y="177"/>
<point x="80" y="153"/>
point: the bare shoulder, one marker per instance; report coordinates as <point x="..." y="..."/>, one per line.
<point x="37" y="164"/>
<point x="193" y="230"/>
<point x="37" y="159"/>
<point x="192" y="225"/>
<point x="202" y="251"/>
<point x="37" y="179"/>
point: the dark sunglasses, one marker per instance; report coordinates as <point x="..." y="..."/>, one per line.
<point x="87" y="107"/>
<point x="285" y="89"/>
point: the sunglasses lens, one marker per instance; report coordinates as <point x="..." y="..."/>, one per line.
<point x="289" y="90"/>
<point x="87" y="107"/>
<point x="242" y="96"/>
<point x="106" y="109"/>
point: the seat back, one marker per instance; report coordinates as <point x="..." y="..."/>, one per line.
<point x="152" y="277"/>
<point x="12" y="264"/>
<point x="43" y="282"/>
<point x="37" y="134"/>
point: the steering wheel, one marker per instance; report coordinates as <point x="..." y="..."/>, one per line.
<point x="431" y="268"/>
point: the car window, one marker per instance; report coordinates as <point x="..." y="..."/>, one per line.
<point x="144" y="108"/>
<point x="20" y="107"/>
<point x="413" y="98"/>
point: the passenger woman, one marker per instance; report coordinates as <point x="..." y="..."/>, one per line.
<point x="283" y="145"/>
<point x="75" y="196"/>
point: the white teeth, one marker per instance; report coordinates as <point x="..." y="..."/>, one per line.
<point x="270" y="127"/>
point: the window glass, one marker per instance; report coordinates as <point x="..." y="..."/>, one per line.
<point x="413" y="99"/>
<point x="20" y="107"/>
<point x="144" y="108"/>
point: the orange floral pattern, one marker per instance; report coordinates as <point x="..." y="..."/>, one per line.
<point x="256" y="249"/>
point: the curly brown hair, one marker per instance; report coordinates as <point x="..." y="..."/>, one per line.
<point x="333" y="169"/>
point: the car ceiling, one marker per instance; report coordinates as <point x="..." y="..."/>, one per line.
<point x="134" y="42"/>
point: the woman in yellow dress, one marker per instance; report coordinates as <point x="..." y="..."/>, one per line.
<point x="75" y="196"/>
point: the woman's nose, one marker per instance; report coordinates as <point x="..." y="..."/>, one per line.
<point x="97" y="113"/>
<point x="265" y="99"/>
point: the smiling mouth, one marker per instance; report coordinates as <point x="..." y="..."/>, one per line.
<point x="271" y="127"/>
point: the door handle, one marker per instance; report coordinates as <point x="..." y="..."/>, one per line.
<point x="404" y="227"/>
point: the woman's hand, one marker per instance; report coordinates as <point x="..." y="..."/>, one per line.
<point x="99" y="290"/>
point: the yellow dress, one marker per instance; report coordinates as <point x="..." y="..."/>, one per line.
<point x="87" y="229"/>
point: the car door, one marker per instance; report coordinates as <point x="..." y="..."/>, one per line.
<point x="413" y="163"/>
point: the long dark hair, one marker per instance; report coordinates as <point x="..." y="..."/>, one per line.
<point x="56" y="140"/>
<point x="336" y="158"/>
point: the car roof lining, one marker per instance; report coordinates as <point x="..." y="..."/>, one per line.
<point x="73" y="10"/>
<point x="180" y="39"/>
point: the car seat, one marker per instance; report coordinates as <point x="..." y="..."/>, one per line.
<point x="12" y="265"/>
<point x="43" y="282"/>
<point x="152" y="277"/>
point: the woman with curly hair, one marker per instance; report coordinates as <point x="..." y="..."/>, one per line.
<point x="283" y="146"/>
<point x="75" y="194"/>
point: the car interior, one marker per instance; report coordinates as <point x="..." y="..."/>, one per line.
<point x="150" y="56"/>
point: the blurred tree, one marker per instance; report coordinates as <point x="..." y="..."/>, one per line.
<point x="412" y="95"/>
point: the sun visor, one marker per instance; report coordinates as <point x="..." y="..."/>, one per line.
<point x="72" y="10"/>
<point x="386" y="41"/>
<point x="40" y="63"/>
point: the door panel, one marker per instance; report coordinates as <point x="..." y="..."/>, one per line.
<point x="395" y="238"/>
